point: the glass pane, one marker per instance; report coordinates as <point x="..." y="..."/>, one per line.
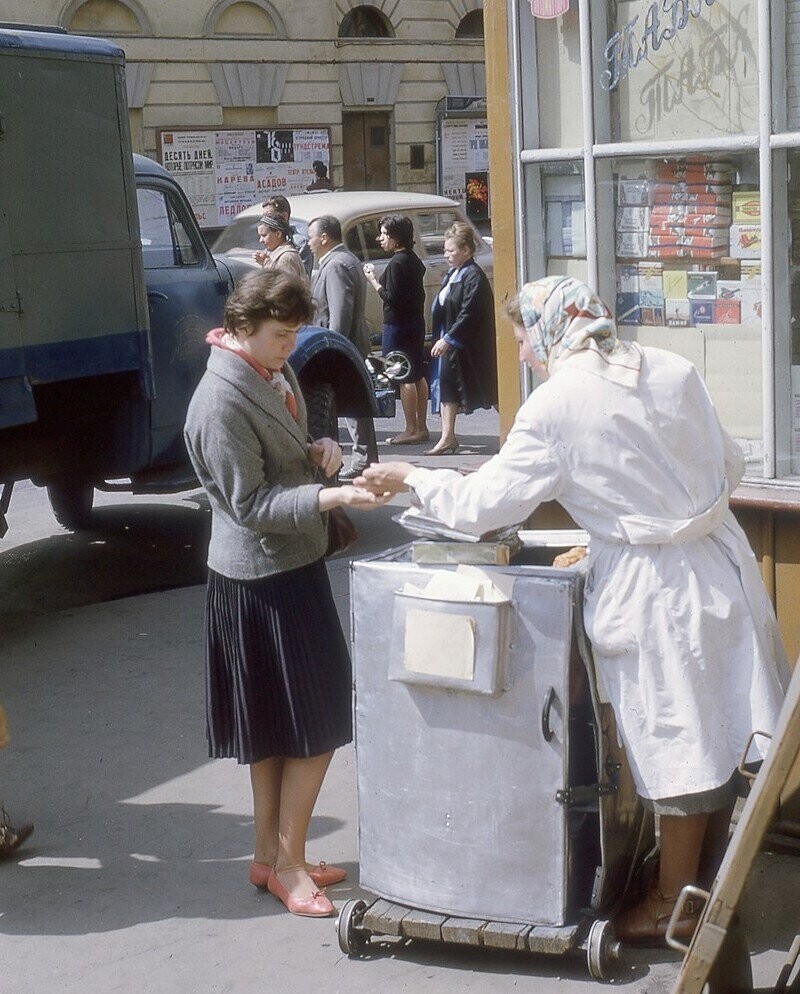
<point x="792" y="35"/>
<point x="370" y="229"/>
<point x="793" y="418"/>
<point x="679" y="69"/>
<point x="555" y="221"/>
<point x="431" y="226"/>
<point x="558" y="63"/>
<point x="239" y="234"/>
<point x="154" y="223"/>
<point x="188" y="252"/>
<point x="687" y="259"/>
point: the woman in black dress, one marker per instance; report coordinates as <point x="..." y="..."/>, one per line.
<point x="463" y="318"/>
<point x="402" y="290"/>
<point x="278" y="679"/>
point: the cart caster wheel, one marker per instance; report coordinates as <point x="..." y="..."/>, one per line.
<point x="353" y="939"/>
<point x="602" y="950"/>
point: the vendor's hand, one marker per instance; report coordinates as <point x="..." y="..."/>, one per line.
<point x="570" y="557"/>
<point x="326" y="454"/>
<point x="440" y="348"/>
<point x="386" y="477"/>
<point x="362" y="498"/>
<point x="260" y="256"/>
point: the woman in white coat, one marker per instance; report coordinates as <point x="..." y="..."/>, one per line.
<point x="685" y="641"/>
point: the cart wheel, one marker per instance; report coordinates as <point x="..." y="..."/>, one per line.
<point x="353" y="939"/>
<point x="602" y="950"/>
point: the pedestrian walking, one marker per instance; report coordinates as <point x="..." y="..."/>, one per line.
<point x="275" y="235"/>
<point x="339" y="289"/>
<point x="402" y="290"/>
<point x="278" y="676"/>
<point x="279" y="206"/>
<point x="684" y="638"/>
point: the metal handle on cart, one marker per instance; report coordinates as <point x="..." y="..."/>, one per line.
<point x="549" y="698"/>
<point x="747" y="774"/>
<point x="688" y="891"/>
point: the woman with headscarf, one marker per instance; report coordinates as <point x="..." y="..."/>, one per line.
<point x="685" y="641"/>
<point x="280" y="253"/>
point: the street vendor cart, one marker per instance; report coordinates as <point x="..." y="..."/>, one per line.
<point x="496" y="807"/>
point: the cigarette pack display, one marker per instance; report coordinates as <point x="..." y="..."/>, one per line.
<point x="632" y="244"/>
<point x="718" y="240"/>
<point x="653" y="315"/>
<point x="649" y="299"/>
<point x="693" y="197"/>
<point x="678" y="313"/>
<point x="727" y="312"/>
<point x="687" y="215"/>
<point x="701" y="284"/>
<point x="633" y="218"/>
<point x="688" y="231"/>
<point x="633" y="192"/>
<point x="628" y="279"/>
<point x="702" y="311"/>
<point x="722" y="191"/>
<point x="651" y="277"/>
<point x="729" y="289"/>
<point x="675" y="285"/>
<point x="751" y="304"/>
<point x="750" y="272"/>
<point x="696" y="172"/>
<point x="682" y="252"/>
<point x="628" y="310"/>
<point x="746" y="241"/>
<point x="746" y="207"/>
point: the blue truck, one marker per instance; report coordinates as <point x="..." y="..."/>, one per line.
<point x="107" y="290"/>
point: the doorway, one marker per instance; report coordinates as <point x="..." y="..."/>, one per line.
<point x="367" y="162"/>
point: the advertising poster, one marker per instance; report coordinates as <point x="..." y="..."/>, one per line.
<point x="465" y="165"/>
<point x="224" y="172"/>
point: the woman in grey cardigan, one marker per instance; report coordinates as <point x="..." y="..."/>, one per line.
<point x="278" y="679"/>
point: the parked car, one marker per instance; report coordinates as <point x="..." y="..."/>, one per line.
<point x="359" y="213"/>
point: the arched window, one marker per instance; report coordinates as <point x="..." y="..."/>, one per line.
<point x="365" y="22"/>
<point x="105" y="17"/>
<point x="244" y="19"/>
<point x="471" y="26"/>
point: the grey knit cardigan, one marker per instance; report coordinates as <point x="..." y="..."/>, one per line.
<point x="250" y="455"/>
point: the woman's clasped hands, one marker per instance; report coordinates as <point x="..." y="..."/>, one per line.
<point x="325" y="454"/>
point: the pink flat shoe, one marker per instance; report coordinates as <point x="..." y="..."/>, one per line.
<point x="325" y="875"/>
<point x="315" y="906"/>
<point x="260" y="874"/>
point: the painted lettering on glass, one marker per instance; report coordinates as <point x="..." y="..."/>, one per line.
<point x="626" y="48"/>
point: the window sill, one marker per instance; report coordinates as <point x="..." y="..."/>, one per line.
<point x="767" y="497"/>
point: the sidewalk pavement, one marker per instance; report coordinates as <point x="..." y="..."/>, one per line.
<point x="136" y="877"/>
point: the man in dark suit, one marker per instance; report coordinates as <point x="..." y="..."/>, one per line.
<point x="339" y="288"/>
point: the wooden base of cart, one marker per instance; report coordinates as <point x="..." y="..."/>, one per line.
<point x="359" y="922"/>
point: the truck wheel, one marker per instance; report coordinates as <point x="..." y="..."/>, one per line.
<point x="71" y="501"/>
<point x="321" y="407"/>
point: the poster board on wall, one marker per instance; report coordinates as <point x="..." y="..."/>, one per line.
<point x="223" y="172"/>
<point x="464" y="164"/>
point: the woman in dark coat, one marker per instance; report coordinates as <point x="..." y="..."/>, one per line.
<point x="463" y="317"/>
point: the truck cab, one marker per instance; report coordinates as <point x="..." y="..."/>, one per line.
<point x="108" y="289"/>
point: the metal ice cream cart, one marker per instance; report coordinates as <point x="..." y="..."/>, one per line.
<point x="496" y="807"/>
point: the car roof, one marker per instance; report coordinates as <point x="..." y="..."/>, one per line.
<point x="347" y="204"/>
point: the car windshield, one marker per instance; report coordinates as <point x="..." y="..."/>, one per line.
<point x="242" y="234"/>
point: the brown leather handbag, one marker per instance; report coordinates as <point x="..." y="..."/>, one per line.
<point x="342" y="533"/>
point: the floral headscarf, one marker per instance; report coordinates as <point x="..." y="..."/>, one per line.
<point x="565" y="318"/>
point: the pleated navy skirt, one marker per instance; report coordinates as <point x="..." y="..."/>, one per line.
<point x="278" y="674"/>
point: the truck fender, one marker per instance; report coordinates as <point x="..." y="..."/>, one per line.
<point x="324" y="356"/>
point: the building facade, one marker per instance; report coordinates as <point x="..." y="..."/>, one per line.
<point x="373" y="76"/>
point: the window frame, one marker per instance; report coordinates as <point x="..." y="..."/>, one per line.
<point x="770" y="144"/>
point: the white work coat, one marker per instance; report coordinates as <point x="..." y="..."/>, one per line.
<point x="684" y="638"/>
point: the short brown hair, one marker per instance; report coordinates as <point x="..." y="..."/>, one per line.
<point x="514" y="310"/>
<point x="269" y="294"/>
<point x="462" y="234"/>
<point x="279" y="204"/>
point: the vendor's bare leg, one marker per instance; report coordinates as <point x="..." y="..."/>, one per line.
<point x="681" y="844"/>
<point x="300" y="786"/>
<point x="715" y="843"/>
<point x="265" y="780"/>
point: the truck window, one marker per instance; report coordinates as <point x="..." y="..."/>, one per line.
<point x="166" y="241"/>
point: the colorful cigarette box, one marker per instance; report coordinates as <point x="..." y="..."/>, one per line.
<point x="727" y="312"/>
<point x="746" y="241"/>
<point x="628" y="310"/>
<point x="678" y="313"/>
<point x="746" y="207"/>
<point x="675" y="284"/>
<point x="628" y="279"/>
<point x="701" y="284"/>
<point x="702" y="311"/>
